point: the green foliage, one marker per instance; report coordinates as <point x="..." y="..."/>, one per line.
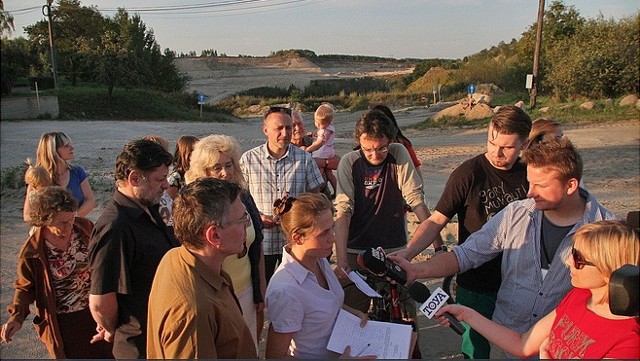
<point x="424" y="66"/>
<point x="294" y="53"/>
<point x="12" y="177"/>
<point x="17" y="58"/>
<point x="118" y="51"/>
<point x="610" y="66"/>
<point x="334" y="86"/>
<point x="84" y="102"/>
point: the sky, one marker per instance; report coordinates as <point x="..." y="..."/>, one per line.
<point x="387" y="28"/>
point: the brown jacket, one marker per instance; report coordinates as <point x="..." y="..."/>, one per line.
<point x="33" y="285"/>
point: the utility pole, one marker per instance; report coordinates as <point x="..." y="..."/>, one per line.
<point x="536" y="54"/>
<point x="46" y="11"/>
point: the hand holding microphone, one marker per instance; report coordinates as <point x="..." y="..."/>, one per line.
<point x="431" y="304"/>
<point x="375" y="260"/>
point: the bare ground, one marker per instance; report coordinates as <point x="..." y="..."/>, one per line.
<point x="611" y="153"/>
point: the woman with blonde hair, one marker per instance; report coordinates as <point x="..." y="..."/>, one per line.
<point x="582" y="326"/>
<point x="53" y="154"/>
<point x="304" y="295"/>
<point x="218" y="156"/>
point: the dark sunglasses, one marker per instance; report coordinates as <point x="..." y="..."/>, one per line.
<point x="578" y="259"/>
<point x="284" y="110"/>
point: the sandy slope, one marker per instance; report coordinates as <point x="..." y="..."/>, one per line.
<point x="610" y="151"/>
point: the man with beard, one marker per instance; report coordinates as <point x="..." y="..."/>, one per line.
<point x="272" y="170"/>
<point x="127" y="244"/>
<point x="476" y="190"/>
<point x="534" y="236"/>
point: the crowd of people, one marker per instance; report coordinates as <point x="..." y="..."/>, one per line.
<point x="196" y="250"/>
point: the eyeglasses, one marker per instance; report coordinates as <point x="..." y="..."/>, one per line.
<point x="246" y="219"/>
<point x="578" y="259"/>
<point x="383" y="149"/>
<point x="284" y="110"/>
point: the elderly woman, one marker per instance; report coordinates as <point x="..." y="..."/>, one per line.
<point x="53" y="271"/>
<point x="217" y="156"/>
<point x="54" y="153"/>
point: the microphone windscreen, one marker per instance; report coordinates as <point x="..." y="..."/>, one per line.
<point x="360" y="260"/>
<point x="419" y="292"/>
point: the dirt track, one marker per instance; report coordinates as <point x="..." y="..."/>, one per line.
<point x="610" y="152"/>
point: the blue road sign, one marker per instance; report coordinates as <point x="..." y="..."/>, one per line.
<point x="202" y="99"/>
<point x="471" y="89"/>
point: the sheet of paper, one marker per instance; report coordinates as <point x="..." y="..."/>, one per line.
<point x="362" y="285"/>
<point x="384" y="339"/>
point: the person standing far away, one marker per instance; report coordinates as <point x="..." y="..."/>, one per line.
<point x="533" y="236"/>
<point x="193" y="312"/>
<point x="54" y="153"/>
<point x="476" y="190"/>
<point x="273" y="169"/>
<point x="127" y="244"/>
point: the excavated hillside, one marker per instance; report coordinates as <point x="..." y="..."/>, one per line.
<point x="220" y="77"/>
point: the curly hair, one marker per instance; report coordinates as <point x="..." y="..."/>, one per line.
<point x="207" y="152"/>
<point x="48" y="202"/>
<point x="143" y="155"/>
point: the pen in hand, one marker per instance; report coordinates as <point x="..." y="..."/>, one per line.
<point x="363" y="350"/>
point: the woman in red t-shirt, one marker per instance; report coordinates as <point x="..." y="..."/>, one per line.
<point x="582" y="326"/>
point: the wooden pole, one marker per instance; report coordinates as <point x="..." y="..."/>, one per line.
<point x="536" y="54"/>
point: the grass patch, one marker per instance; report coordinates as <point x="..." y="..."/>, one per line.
<point x="92" y="102"/>
<point x="12" y="177"/>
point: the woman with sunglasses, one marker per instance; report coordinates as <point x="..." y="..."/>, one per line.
<point x="304" y="295"/>
<point x="582" y="326"/>
<point x="53" y="272"/>
<point x="217" y="156"/>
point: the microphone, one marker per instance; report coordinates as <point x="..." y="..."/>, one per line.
<point x="375" y="261"/>
<point x="623" y="291"/>
<point x="431" y="303"/>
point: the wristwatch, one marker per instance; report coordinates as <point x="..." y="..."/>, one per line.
<point x="442" y="248"/>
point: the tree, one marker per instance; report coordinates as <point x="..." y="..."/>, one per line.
<point x="593" y="63"/>
<point x="17" y="61"/>
<point x="560" y="22"/>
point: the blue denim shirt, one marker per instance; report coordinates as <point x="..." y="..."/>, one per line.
<point x="524" y="297"/>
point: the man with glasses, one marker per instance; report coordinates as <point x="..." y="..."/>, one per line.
<point x="193" y="312"/>
<point x="274" y="169"/>
<point x="533" y="235"/>
<point x="127" y="244"/>
<point x="375" y="184"/>
<point x="475" y="191"/>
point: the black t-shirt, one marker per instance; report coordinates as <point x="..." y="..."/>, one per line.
<point x="476" y="191"/>
<point x="126" y="248"/>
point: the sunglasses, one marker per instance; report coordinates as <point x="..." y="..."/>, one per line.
<point x="272" y="110"/>
<point x="578" y="259"/>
